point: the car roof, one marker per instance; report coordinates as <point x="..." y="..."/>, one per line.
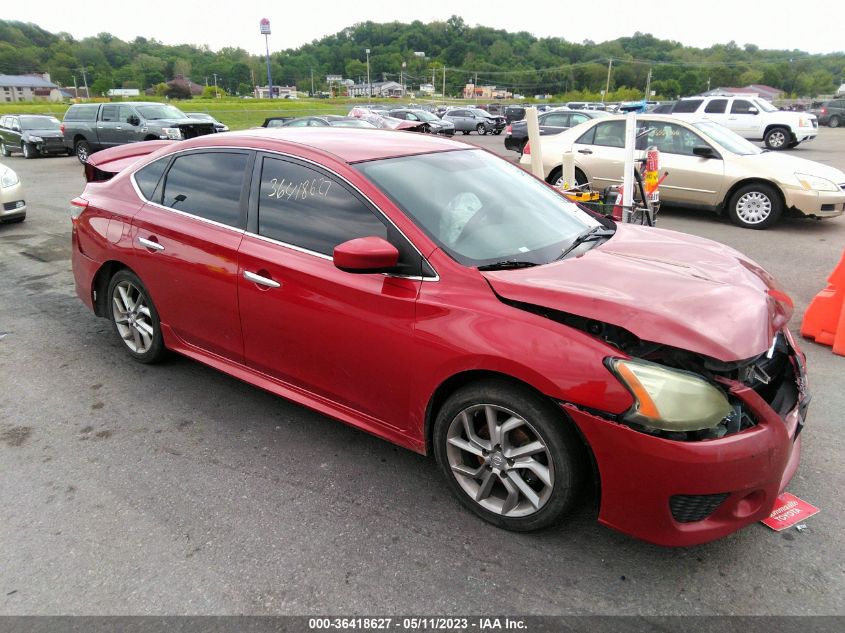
<point x="350" y="145"/>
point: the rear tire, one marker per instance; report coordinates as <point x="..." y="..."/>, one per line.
<point x="510" y="455"/>
<point x="465" y="132"/>
<point x="755" y="206"/>
<point x="777" y="138"/>
<point x="5" y="151"/>
<point x="134" y="317"/>
<point x="833" y="121"/>
<point x="82" y="149"/>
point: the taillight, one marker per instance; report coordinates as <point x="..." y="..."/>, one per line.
<point x="509" y="129"/>
<point x="62" y="129"/>
<point x="824" y="110"/>
<point x="527" y="149"/>
<point x="77" y="206"/>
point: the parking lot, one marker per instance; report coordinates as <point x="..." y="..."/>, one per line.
<point x="176" y="489"/>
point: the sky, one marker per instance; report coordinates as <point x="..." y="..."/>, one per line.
<point x="781" y="24"/>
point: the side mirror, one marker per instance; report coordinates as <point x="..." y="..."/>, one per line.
<point x="133" y="120"/>
<point x="366" y="255"/>
<point x="704" y="151"/>
<point x="752" y="110"/>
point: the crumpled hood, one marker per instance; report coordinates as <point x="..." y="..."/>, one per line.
<point x="46" y="133"/>
<point x="665" y="287"/>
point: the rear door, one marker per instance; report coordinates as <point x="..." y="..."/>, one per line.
<point x="337" y="335"/>
<point x="186" y="241"/>
<point x="554" y="123"/>
<point x="600" y="153"/>
<point x="716" y="110"/>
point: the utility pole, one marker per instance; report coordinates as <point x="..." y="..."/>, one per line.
<point x="475" y="88"/>
<point x="85" y="83"/>
<point x="312" y="82"/>
<point x="648" y="85"/>
<point x="607" y="86"/>
<point x="402" y="79"/>
<point x="252" y="75"/>
<point x="216" y="93"/>
<point x="444" y="83"/>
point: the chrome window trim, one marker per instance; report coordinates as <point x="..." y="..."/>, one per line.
<point x="294" y="247"/>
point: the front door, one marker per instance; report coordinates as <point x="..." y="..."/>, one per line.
<point x="341" y="336"/>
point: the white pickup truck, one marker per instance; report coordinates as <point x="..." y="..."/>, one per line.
<point x="752" y="118"/>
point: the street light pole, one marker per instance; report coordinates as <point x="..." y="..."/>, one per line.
<point x="265" y="30"/>
<point x="369" y="85"/>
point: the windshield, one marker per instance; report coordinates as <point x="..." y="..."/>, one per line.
<point x="765" y="106"/>
<point x="479" y="208"/>
<point x="422" y="115"/>
<point x="351" y="123"/>
<point x="200" y="115"/>
<point x="160" y="111"/>
<point x="728" y="139"/>
<point x="39" y="123"/>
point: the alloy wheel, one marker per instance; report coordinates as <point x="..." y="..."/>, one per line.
<point x="753" y="207"/>
<point x="132" y="317"/>
<point x="777" y="139"/>
<point x="500" y="460"/>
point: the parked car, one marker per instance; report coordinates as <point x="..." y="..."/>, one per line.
<point x="433" y="124"/>
<point x="514" y="113"/>
<point x="31" y="134"/>
<point x="331" y="272"/>
<point x="554" y="122"/>
<point x="204" y="116"/>
<point x="12" y="198"/>
<point x="330" y="120"/>
<point x="830" y="113"/>
<point x="91" y="127"/>
<point x="709" y="167"/>
<point x="752" y="118"/>
<point x="468" y="120"/>
<point x="499" y="122"/>
<point x="276" y="121"/>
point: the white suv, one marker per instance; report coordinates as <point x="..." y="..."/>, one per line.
<point x="752" y="118"/>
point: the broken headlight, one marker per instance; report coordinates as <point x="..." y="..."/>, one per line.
<point x="668" y="399"/>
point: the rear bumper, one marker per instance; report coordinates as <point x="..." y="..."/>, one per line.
<point x="745" y="472"/>
<point x="514" y="143"/>
<point x="84" y="270"/>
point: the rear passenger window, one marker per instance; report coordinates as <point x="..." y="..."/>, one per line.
<point x="81" y="113"/>
<point x="207" y="185"/>
<point x="110" y="113"/>
<point x="687" y="105"/>
<point x="717" y="106"/>
<point x="610" y="134"/>
<point x="300" y="206"/>
<point x="147" y="178"/>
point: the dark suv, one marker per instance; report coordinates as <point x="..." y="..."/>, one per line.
<point x="31" y="134"/>
<point x="830" y="113"/>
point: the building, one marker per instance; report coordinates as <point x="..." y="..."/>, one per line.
<point x="31" y="87"/>
<point x="471" y="91"/>
<point x="841" y="91"/>
<point x="279" y="92"/>
<point x="379" y="89"/>
<point x="753" y="90"/>
<point x="427" y="89"/>
<point x="124" y="92"/>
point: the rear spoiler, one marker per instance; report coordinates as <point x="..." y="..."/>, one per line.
<point x="108" y="163"/>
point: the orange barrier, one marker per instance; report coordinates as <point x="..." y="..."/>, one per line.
<point x="824" y="320"/>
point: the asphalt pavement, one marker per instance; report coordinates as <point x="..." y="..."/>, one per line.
<point x="175" y="489"/>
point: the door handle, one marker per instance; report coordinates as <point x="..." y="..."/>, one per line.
<point x="585" y="151"/>
<point x="261" y="281"/>
<point x="153" y="246"/>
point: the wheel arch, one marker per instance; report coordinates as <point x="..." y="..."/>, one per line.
<point x="100" y="284"/>
<point x="750" y="181"/>
<point x="456" y="381"/>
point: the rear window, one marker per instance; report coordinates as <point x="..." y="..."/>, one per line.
<point x="687" y="105"/>
<point x="81" y="113"/>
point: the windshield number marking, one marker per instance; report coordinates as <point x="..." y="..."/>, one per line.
<point x="299" y="191"/>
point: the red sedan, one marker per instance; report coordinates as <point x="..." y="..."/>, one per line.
<point x="441" y="298"/>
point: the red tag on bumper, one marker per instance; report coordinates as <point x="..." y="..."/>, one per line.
<point x="788" y="511"/>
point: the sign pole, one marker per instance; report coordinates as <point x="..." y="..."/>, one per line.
<point x="265" y="30"/>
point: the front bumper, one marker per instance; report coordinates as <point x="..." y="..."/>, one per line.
<point x="646" y="479"/>
<point x="12" y="210"/>
<point x="805" y="134"/>
<point x="52" y="146"/>
<point x="816" y="204"/>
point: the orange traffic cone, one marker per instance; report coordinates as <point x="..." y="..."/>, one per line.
<point x="824" y="320"/>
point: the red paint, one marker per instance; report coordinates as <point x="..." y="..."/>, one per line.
<point x="371" y="350"/>
<point x="366" y="254"/>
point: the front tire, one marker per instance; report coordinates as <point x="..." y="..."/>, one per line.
<point x="509" y="455"/>
<point x="135" y="318"/>
<point x="777" y="138"/>
<point x="755" y="206"/>
<point x="29" y="150"/>
<point x="481" y="129"/>
<point x="82" y="149"/>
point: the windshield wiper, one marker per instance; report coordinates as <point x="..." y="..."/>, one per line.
<point x="507" y="264"/>
<point x="590" y="235"/>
